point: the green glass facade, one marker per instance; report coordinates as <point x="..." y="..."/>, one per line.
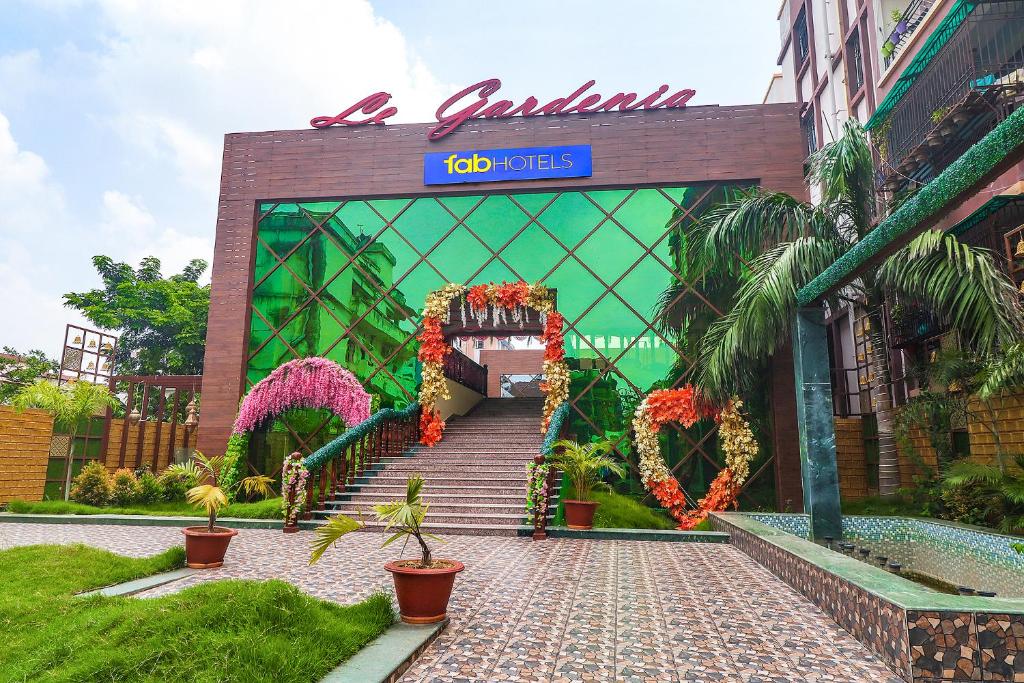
<point x="347" y="279"/>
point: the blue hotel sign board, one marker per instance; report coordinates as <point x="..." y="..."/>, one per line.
<point x="492" y="165"/>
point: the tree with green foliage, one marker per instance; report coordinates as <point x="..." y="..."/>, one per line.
<point x="18" y="370"/>
<point x="161" y="321"/>
<point x="71" y="404"/>
<point x="784" y="243"/>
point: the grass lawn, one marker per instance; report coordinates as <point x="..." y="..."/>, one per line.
<point x="617" y="511"/>
<point x="263" y="509"/>
<point x="224" y="630"/>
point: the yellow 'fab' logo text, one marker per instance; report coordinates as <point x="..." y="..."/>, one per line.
<point x="474" y="164"/>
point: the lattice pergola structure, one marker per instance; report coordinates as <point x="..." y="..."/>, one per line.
<point x="340" y="279"/>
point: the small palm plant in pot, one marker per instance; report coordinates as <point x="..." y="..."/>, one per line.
<point x="422" y="586"/>
<point x="584" y="465"/>
<point x="205" y="546"/>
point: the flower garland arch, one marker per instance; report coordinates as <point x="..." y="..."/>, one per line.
<point x="303" y="383"/>
<point x="509" y="300"/>
<point x="683" y="405"/>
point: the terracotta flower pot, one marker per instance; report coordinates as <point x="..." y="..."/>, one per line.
<point x="579" y="514"/>
<point x="205" y="550"/>
<point x="423" y="593"/>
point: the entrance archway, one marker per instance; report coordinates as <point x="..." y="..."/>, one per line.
<point x="497" y="304"/>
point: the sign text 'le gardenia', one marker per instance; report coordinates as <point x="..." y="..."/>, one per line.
<point x="460" y="107"/>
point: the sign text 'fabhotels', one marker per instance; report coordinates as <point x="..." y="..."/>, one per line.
<point x="492" y="165"/>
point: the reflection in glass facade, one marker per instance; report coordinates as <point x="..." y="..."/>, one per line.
<point x="347" y="278"/>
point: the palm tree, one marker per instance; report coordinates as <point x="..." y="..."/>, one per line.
<point x="584" y="464"/>
<point x="775" y="244"/>
<point x="70" y="404"/>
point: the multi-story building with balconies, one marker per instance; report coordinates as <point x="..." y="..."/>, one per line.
<point x="928" y="79"/>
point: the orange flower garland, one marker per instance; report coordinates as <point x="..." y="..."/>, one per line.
<point x="514" y="297"/>
<point x="685" y="407"/>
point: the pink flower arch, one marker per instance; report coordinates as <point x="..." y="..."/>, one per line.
<point x="304" y="383"/>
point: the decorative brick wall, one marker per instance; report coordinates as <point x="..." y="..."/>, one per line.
<point x="850" y="458"/>
<point x="1009" y="421"/>
<point x="156" y="451"/>
<point x="24" y="449"/>
<point x="503" y="362"/>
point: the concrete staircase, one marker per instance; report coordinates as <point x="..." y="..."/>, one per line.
<point x="475" y="477"/>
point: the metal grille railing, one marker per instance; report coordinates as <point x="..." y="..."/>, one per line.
<point x="908" y="23"/>
<point x="973" y="82"/>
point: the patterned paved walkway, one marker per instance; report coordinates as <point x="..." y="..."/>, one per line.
<point x="556" y="611"/>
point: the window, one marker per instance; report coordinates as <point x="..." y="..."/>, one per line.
<point x="810" y="134"/>
<point x="854" y="63"/>
<point x="800" y="40"/>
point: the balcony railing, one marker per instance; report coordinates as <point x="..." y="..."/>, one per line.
<point x="905" y="27"/>
<point x="912" y="324"/>
<point x="972" y="82"/>
<point x="462" y="369"/>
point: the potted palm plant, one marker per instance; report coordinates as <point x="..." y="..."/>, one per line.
<point x="422" y="586"/>
<point x="583" y="464"/>
<point x="205" y="545"/>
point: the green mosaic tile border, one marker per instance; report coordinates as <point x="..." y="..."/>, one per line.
<point x="899" y="591"/>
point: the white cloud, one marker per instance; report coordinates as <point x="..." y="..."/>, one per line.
<point x="180" y="75"/>
<point x="30" y="203"/>
<point x="28" y="196"/>
<point x="129" y="224"/>
<point x="155" y="90"/>
<point x="20" y="77"/>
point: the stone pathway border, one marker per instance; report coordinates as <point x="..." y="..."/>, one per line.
<point x="138" y="585"/>
<point x="387" y="658"/>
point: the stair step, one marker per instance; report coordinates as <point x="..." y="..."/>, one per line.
<point x="497" y="482"/>
<point x="453" y="517"/>
<point x="397" y="490"/>
<point x="466" y="529"/>
<point x="425" y="467"/>
<point x="450" y="505"/>
<point x="517" y="498"/>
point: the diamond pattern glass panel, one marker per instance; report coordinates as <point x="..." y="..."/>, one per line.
<point x="347" y="279"/>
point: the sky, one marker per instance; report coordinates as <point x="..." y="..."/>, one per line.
<point x="113" y="112"/>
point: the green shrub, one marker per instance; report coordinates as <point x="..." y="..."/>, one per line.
<point x="126" y="489"/>
<point x="151" y="489"/>
<point x="178" y="480"/>
<point x="970" y="503"/>
<point x="92" y="486"/>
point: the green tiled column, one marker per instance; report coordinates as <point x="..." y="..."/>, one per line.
<point x="814" y="419"/>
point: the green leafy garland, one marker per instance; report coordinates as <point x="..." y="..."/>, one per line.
<point x="234" y="461"/>
<point x="320" y="457"/>
<point x="958" y="177"/>
<point x="537" y="494"/>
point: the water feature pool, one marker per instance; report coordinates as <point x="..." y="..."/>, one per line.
<point x="956" y="555"/>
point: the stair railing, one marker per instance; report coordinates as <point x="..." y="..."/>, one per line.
<point x="541" y="501"/>
<point x="334" y="466"/>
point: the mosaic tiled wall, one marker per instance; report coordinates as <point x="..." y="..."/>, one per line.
<point x="922" y="646"/>
<point x="957" y="544"/>
<point x="873" y="621"/>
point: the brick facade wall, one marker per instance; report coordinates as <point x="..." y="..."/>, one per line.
<point x="24" y="449"/>
<point x="503" y="362"/>
<point x="759" y="143"/>
<point x="850" y="458"/>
